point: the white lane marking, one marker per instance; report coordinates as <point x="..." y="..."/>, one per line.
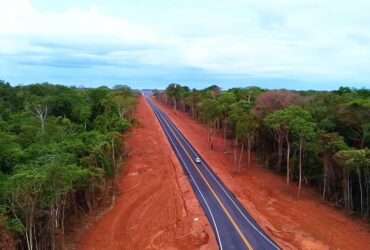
<point x="198" y="188"/>
<point x="236" y="226"/>
<point x="200" y="192"/>
<point x="225" y="192"/>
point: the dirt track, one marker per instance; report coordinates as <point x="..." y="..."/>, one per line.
<point x="157" y="208"/>
<point x="305" y="223"/>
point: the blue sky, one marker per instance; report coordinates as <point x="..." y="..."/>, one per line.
<point x="292" y="44"/>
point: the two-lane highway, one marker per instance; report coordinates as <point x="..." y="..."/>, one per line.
<point x="233" y="226"/>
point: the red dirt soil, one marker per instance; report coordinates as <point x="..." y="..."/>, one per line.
<point x="304" y="223"/>
<point x="157" y="208"/>
<point x="6" y="240"/>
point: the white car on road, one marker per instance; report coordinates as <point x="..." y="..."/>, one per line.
<point x="197" y="160"/>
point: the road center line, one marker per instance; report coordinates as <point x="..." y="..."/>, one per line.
<point x="245" y="241"/>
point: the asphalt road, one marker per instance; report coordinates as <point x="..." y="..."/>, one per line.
<point x="233" y="225"/>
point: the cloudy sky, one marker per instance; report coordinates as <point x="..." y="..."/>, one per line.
<point x="301" y="44"/>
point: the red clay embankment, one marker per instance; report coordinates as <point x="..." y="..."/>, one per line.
<point x="157" y="208"/>
<point x="305" y="223"/>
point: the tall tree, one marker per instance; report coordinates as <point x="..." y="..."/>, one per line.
<point x="225" y="101"/>
<point x="39" y="107"/>
<point x="358" y="161"/>
<point x="330" y="144"/>
<point x="287" y="122"/>
<point x="303" y="129"/>
<point x="279" y="122"/>
<point x="210" y="113"/>
<point x="355" y="116"/>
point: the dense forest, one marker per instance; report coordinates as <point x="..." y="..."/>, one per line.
<point x="317" y="138"/>
<point x="60" y="151"/>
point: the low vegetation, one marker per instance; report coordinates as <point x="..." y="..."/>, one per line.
<point x="60" y="150"/>
<point x="321" y="139"/>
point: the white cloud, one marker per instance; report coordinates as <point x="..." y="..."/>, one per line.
<point x="303" y="39"/>
<point x="21" y="18"/>
<point x="311" y="39"/>
<point x="22" y="26"/>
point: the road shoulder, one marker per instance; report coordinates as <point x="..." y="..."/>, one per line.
<point x="157" y="209"/>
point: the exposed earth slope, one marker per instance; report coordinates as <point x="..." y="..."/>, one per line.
<point x="157" y="208"/>
<point x="305" y="223"/>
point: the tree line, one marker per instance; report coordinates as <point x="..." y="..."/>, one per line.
<point x="320" y="138"/>
<point x="60" y="151"/>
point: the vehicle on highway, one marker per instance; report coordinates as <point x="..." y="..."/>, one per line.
<point x="231" y="222"/>
<point x="197" y="160"/>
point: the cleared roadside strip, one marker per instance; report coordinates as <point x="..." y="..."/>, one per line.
<point x="215" y="178"/>
<point x="194" y="182"/>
